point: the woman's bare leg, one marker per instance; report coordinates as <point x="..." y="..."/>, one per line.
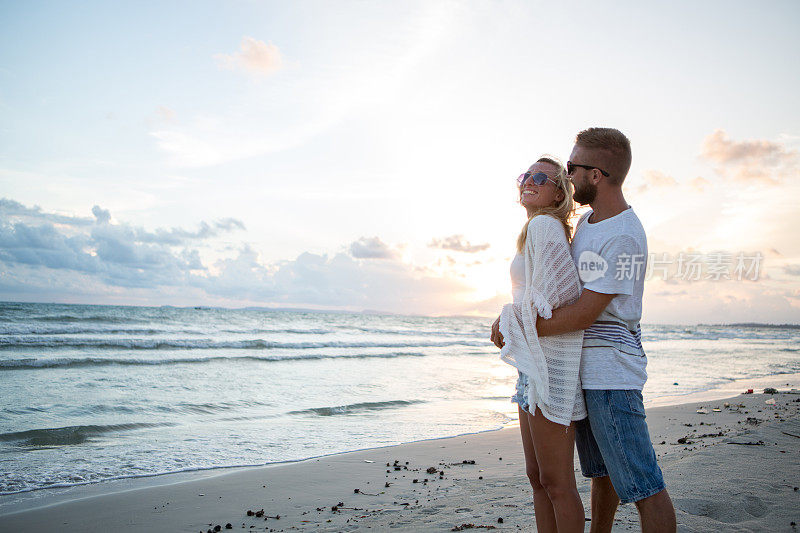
<point x="543" y="509"/>
<point x="554" y="447"/>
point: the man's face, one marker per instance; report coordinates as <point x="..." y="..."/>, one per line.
<point x="585" y="188"/>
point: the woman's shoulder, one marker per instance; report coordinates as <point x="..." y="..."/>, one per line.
<point x="546" y="228"/>
<point x="544" y="222"/>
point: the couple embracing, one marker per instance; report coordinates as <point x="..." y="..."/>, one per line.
<point x="573" y="334"/>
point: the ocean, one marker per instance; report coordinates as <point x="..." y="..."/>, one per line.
<point x="94" y="393"/>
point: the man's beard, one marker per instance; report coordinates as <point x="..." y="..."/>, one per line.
<point x="585" y="193"/>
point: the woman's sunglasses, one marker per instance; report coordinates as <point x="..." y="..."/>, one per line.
<point x="538" y="178"/>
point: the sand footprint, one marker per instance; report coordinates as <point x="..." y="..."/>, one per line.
<point x="737" y="509"/>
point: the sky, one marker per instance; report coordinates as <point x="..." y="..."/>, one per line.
<point x="363" y="155"/>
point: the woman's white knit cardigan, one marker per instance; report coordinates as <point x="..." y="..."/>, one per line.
<point x="551" y="363"/>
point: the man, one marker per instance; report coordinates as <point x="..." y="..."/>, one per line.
<point x="610" y="251"/>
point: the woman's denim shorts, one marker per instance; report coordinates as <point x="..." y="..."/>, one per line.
<point x="521" y="395"/>
<point x="613" y="441"/>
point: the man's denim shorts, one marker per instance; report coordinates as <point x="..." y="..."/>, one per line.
<point x="614" y="441"/>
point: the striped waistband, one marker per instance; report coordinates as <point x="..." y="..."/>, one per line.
<point x="614" y="334"/>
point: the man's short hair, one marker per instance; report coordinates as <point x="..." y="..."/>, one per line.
<point x="612" y="151"/>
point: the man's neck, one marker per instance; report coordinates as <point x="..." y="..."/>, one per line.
<point x="603" y="208"/>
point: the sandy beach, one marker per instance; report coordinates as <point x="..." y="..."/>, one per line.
<point x="730" y="465"/>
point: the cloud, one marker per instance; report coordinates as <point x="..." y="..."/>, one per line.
<point x="12" y="208"/>
<point x="765" y="161"/>
<point x="109" y="252"/>
<point x="489" y="307"/>
<point x="332" y="87"/>
<point x="124" y="263"/>
<point x="670" y="293"/>
<point x="253" y="56"/>
<point x="211" y="142"/>
<point x="370" y="248"/>
<point x="721" y="302"/>
<point x="333" y="281"/>
<point x="45" y="245"/>
<point x="699" y="184"/>
<point x="228" y="224"/>
<point x="177" y="236"/>
<point x="102" y="216"/>
<point x="792" y="270"/>
<point x="458" y="244"/>
<point x="118" y="254"/>
<point x="165" y="113"/>
<point x="654" y="179"/>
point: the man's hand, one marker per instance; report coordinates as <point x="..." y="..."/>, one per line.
<point x="497" y="337"/>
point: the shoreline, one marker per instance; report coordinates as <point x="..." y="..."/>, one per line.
<point x="56" y="495"/>
<point x="727" y="390"/>
<point x="190" y="475"/>
<point x="297" y="489"/>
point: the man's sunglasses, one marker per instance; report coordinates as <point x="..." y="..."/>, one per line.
<point x="572" y="166"/>
<point x="538" y="178"/>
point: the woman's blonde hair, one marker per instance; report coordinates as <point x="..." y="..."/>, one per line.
<point x="562" y="211"/>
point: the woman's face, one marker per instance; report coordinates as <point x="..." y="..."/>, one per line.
<point x="546" y="195"/>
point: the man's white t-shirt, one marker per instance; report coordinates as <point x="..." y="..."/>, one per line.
<point x="611" y="256"/>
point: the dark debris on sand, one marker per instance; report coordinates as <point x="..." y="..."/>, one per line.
<point x="462" y="527"/>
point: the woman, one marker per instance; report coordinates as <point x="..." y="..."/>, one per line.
<point x="549" y="395"/>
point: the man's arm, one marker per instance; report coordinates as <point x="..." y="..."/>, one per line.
<point x="575" y="316"/>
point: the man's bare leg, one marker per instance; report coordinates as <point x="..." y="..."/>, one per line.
<point x="604" y="504"/>
<point x="657" y="513"/>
